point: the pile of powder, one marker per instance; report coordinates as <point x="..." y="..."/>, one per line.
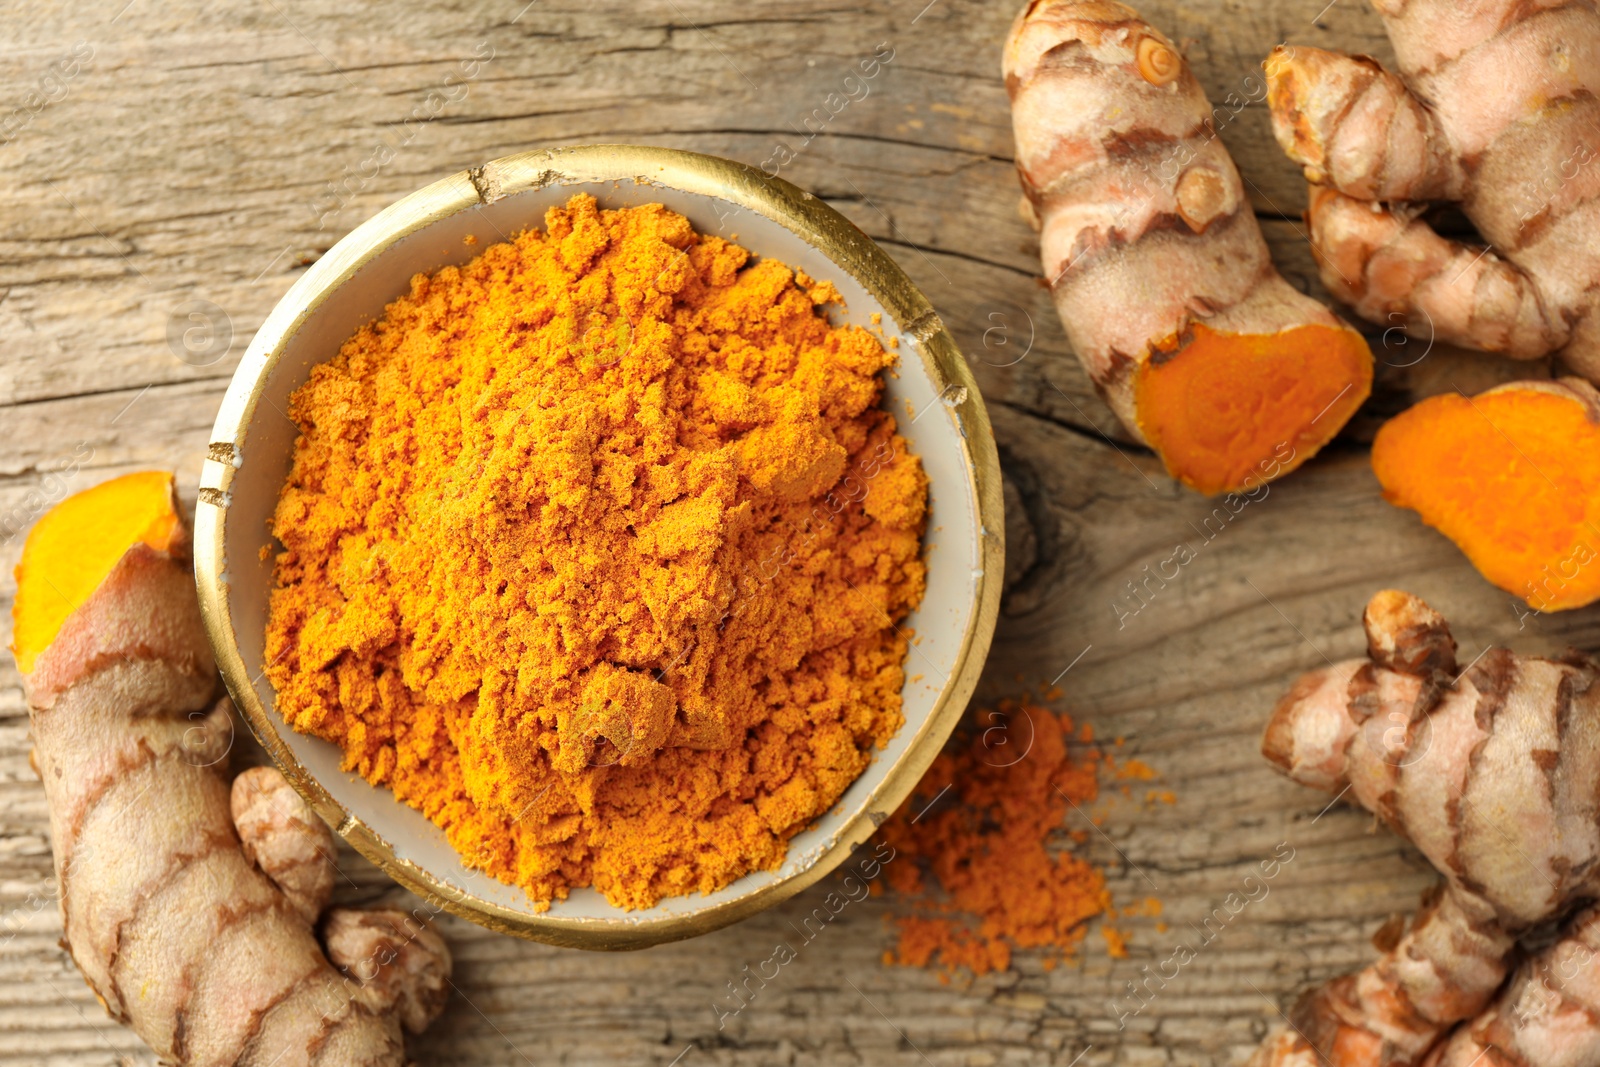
<point x="981" y="823"/>
<point x="595" y="551"/>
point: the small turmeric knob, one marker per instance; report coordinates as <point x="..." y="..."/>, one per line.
<point x="1158" y="64"/>
<point x="1203" y="195"/>
<point x="1404" y="634"/>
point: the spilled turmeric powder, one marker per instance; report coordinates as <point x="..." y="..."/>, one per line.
<point x="596" y="551"/>
<point x="981" y="823"/>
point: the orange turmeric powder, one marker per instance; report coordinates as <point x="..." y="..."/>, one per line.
<point x="595" y="552"/>
<point x="979" y="822"/>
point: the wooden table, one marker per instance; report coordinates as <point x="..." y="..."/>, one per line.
<point x="174" y="159"/>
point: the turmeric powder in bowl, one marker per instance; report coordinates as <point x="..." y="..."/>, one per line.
<point x="596" y="551"/>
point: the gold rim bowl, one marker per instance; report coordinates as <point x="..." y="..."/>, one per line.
<point x="931" y="391"/>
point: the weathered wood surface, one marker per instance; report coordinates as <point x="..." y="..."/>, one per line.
<point x="209" y="152"/>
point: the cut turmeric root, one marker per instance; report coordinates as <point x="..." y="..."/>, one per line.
<point x="1231" y="411"/>
<point x="77" y="543"/>
<point x="1513" y="478"/>
<point x="199" y="941"/>
<point x="1158" y="268"/>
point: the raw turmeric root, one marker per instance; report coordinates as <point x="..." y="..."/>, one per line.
<point x="180" y="935"/>
<point x="1545" y="1016"/>
<point x="282" y="835"/>
<point x="1497" y="107"/>
<point x="1493" y="773"/>
<point x="1513" y="478"/>
<point x="401" y="966"/>
<point x="1158" y="268"/>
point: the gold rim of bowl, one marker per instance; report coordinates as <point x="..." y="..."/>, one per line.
<point x="813" y="221"/>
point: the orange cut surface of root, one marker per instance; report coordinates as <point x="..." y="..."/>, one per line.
<point x="72" y="549"/>
<point x="1513" y="478"/>
<point x="1228" y="412"/>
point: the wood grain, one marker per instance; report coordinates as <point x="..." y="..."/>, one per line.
<point x="208" y="153"/>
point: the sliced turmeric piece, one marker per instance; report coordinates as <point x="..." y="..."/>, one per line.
<point x="1513" y="478"/>
<point x="75" y="545"/>
<point x="1230" y="411"/>
<point x="1157" y="266"/>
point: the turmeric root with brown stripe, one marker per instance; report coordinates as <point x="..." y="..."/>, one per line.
<point x="1547" y="1014"/>
<point x="1492" y="772"/>
<point x="1158" y="269"/>
<point x="180" y="935"/>
<point x="1496" y="107"/>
